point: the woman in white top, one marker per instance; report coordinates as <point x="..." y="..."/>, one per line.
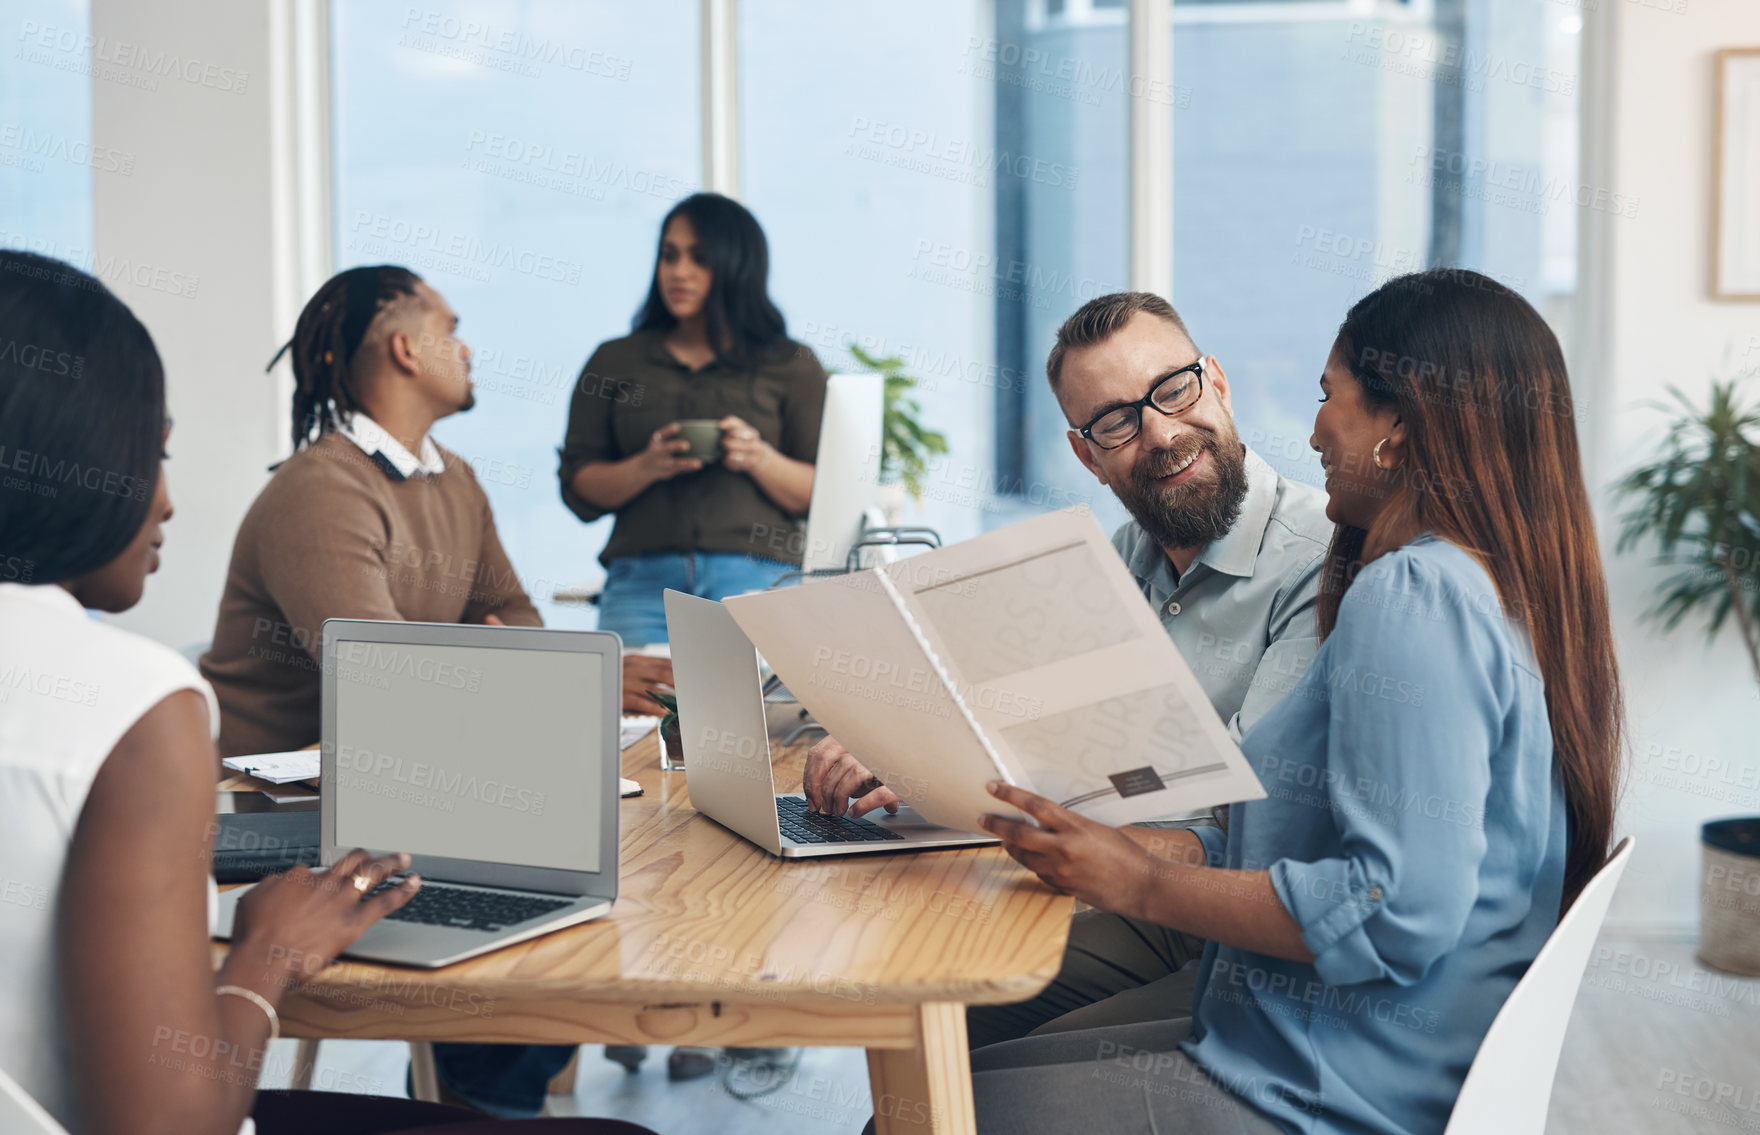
<point x="111" y="1014"/>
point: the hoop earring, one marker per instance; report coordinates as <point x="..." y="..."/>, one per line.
<point x="1375" y="456"/>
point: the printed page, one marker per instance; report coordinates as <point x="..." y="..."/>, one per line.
<point x="1045" y="637"/>
<point x="845" y="648"/>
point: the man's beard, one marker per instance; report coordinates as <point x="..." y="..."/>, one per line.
<point x="1196" y="513"/>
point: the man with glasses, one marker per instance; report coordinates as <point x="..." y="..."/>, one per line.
<point x="1227" y="552"/>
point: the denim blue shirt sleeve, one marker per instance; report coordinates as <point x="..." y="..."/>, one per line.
<point x="1417" y="704"/>
<point x="1215" y="842"/>
<point x="1414" y="829"/>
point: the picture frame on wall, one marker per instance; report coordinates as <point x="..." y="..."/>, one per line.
<point x="1735" y="238"/>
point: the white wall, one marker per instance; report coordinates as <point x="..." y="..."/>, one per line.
<point x="196" y="224"/>
<point x="1694" y="709"/>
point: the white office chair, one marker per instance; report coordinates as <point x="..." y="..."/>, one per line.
<point x="22" y="1114"/>
<point x="1509" y="1086"/>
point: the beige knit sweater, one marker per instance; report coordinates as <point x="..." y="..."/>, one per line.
<point x="335" y="536"/>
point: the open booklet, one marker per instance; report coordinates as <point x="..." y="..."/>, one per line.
<point x="1027" y="655"/>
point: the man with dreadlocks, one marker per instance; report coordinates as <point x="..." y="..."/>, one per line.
<point x="370" y="518"/>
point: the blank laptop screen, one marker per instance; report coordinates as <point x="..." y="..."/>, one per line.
<point x="473" y="752"/>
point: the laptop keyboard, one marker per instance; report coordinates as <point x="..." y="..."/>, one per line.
<point x="469" y="908"/>
<point x="233" y="866"/>
<point x="803" y="825"/>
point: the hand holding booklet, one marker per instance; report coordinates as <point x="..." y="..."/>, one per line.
<point x="1026" y="655"/>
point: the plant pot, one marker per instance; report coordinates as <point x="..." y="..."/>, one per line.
<point x="671" y="746"/>
<point x="1729" y="896"/>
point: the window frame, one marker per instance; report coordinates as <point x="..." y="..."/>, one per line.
<point x="1086" y="14"/>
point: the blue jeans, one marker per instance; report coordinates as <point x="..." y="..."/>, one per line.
<point x="632" y="603"/>
<point x="508" y="1080"/>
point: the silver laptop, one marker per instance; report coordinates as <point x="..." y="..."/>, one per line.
<point x="727" y="750"/>
<point x="490" y="755"/>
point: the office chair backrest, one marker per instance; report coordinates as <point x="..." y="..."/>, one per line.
<point x="1509" y="1086"/>
<point x="20" y="1113"/>
<point x="874" y="517"/>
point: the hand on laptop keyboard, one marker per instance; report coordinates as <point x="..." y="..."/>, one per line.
<point x="803" y="825"/>
<point x="833" y="777"/>
<point x="294" y="924"/>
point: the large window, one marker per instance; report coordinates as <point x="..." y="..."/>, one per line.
<point x="1320" y="147"/>
<point x="47" y="159"/>
<point x="1063" y="86"/>
<point x="519" y="158"/>
<point x="869" y="157"/>
<point x="946" y="180"/>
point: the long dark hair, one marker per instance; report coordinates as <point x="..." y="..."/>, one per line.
<point x="325" y="339"/>
<point x="744" y="326"/>
<point x="1492" y="464"/>
<point x="82" y="420"/>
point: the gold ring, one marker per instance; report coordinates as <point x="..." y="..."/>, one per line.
<point x="362" y="884"/>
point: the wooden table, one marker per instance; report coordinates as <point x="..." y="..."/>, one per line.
<point x="713" y="941"/>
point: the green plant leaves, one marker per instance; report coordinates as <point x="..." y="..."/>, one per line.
<point x="906" y="444"/>
<point x="670" y="701"/>
<point x="1700" y="501"/>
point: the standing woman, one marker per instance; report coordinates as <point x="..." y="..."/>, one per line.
<point x="707" y="344"/>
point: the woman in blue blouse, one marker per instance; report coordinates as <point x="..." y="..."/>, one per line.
<point x="1440" y="784"/>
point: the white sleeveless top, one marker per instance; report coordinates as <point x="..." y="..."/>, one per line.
<point x="70" y="687"/>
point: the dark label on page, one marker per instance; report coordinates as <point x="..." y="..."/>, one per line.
<point x="1137" y="781"/>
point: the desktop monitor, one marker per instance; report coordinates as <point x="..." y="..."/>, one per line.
<point x="847" y="473"/>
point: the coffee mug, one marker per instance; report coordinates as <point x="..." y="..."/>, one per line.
<point x="704" y="434"/>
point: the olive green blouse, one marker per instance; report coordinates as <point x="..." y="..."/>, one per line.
<point x="633" y="386"/>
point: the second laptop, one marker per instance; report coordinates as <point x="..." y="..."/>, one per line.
<point x="727" y="759"/>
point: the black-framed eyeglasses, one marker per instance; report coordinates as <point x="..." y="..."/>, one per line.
<point x="1174" y="394"/>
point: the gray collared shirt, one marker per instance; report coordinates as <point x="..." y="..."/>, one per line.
<point x="1243" y="613"/>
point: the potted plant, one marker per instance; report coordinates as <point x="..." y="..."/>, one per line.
<point x="1700" y="501"/>
<point x="671" y="743"/>
<point x="905" y="444"/>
